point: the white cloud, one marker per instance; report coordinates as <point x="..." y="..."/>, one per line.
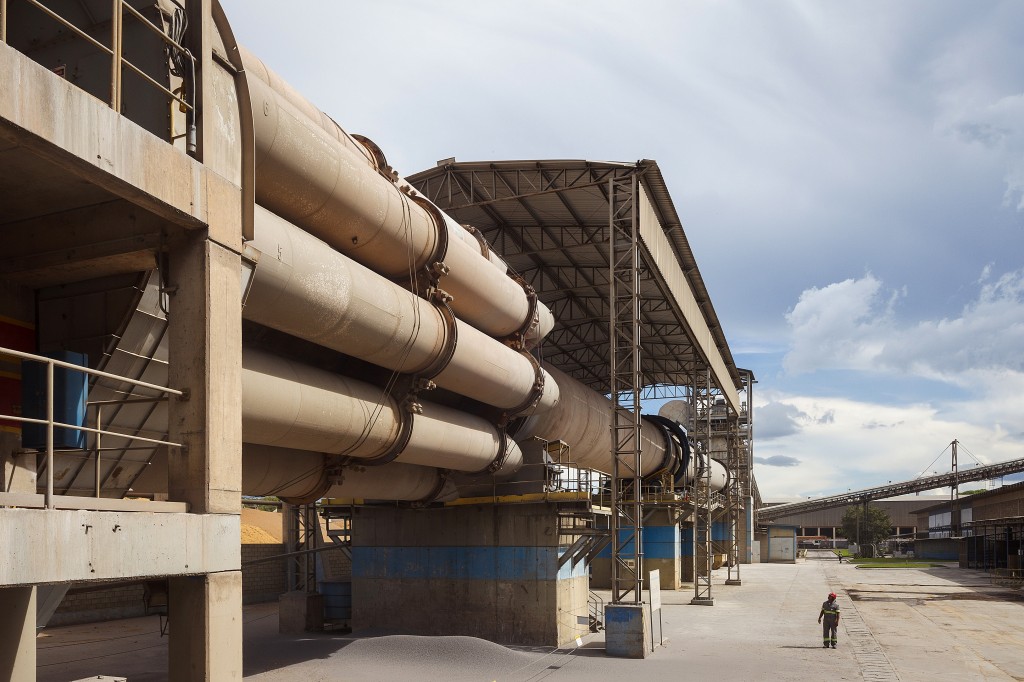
<point x="840" y="326"/>
<point x="852" y="325"/>
<point x="846" y="442"/>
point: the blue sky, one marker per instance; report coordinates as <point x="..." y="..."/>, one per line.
<point x="850" y="177"/>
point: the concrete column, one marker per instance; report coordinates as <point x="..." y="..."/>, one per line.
<point x="686" y="549"/>
<point x="205" y="627"/>
<point x="205" y="358"/>
<point x="18" y="633"/>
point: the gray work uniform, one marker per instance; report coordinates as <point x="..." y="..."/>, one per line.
<point x="829" y="622"/>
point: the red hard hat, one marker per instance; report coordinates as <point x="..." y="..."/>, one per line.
<point x="831" y="595"/>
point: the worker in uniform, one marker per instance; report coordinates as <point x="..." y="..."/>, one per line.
<point x="830" y="614"/>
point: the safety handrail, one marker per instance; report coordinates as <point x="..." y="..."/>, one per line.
<point x="118" y="60"/>
<point x="50" y="422"/>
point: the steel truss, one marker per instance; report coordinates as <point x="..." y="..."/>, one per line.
<point x="702" y="402"/>
<point x="981" y="473"/>
<point x="303" y="535"/>
<point x="624" y="355"/>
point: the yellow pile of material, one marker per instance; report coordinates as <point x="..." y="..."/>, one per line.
<point x="254" y="535"/>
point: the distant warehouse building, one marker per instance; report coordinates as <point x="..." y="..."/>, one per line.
<point x="824" y="527"/>
<point x="987" y="535"/>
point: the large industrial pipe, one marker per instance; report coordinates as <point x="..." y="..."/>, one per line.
<point x="300" y="475"/>
<point x="303" y="287"/>
<point x="323" y="183"/>
<point x="287" y="404"/>
<point x="582" y="418"/>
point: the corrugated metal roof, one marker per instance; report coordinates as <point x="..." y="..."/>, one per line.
<point x="548" y="219"/>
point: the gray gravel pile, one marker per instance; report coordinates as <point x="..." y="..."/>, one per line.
<point x="410" y="657"/>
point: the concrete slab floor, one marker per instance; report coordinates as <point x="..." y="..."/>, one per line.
<point x="898" y="624"/>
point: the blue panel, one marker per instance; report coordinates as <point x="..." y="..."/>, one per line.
<point x="627" y="548"/>
<point x="462" y="563"/>
<point x="686" y="541"/>
<point x="70" y="388"/>
<point x="661" y="542"/>
<point x="337" y="600"/>
<point x="719" y="531"/>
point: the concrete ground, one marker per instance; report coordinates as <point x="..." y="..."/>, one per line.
<point x="898" y="624"/>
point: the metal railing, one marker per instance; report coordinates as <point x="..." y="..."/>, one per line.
<point x="114" y="51"/>
<point x="51" y="423"/>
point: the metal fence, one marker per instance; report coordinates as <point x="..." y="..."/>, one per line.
<point x="98" y="431"/>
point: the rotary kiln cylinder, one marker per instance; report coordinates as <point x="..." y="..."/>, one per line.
<point x="326" y="184"/>
<point x="304" y="288"/>
<point x="302" y="475"/>
<point x="582" y="418"/>
<point x="287" y="404"/>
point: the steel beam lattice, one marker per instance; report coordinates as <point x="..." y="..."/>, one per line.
<point x="624" y="356"/>
<point x="702" y="555"/>
<point x="733" y="496"/>
<point x="302" y="539"/>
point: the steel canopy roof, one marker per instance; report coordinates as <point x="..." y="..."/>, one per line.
<point x="549" y="219"/>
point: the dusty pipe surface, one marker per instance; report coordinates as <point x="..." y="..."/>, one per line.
<point x="719" y="474"/>
<point x="304" y="288"/>
<point x="301" y="475"/>
<point x="323" y="184"/>
<point x="288" y="404"/>
<point x="582" y="418"/>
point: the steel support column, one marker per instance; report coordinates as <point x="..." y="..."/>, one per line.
<point x="624" y="355"/>
<point x="701" y="410"/>
<point x="301" y="536"/>
<point x="733" y="499"/>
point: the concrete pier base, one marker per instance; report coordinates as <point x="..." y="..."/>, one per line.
<point x="205" y="643"/>
<point x="481" y="570"/>
<point x="626" y="631"/>
<point x="662" y="550"/>
<point x="300" y="612"/>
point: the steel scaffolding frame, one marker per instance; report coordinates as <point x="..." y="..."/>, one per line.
<point x="702" y="400"/>
<point x="733" y="497"/>
<point x="301" y="542"/>
<point x="556" y="224"/>
<point x="625" y="381"/>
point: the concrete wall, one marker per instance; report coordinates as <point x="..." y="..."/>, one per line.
<point x="482" y="571"/>
<point x="119" y="601"/>
<point x="782" y="544"/>
<point x="260" y="583"/>
<point x="264" y="581"/>
<point x="937" y="549"/>
<point x="662" y="552"/>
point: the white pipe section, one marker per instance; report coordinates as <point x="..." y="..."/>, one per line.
<point x="302" y="475"/>
<point x="321" y="182"/>
<point x="582" y="418"/>
<point x="304" y="288"/>
<point x="287" y="404"/>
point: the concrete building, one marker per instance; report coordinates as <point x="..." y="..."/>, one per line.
<point x="826" y="525"/>
<point x="983" y="530"/>
<point x="208" y="289"/>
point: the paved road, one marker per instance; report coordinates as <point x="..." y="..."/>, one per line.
<point x="907" y="624"/>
